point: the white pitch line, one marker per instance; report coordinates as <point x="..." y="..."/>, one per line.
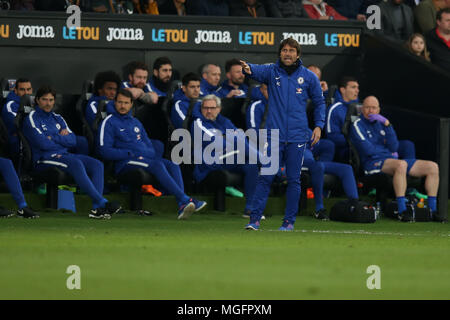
<point x="356" y="232"/>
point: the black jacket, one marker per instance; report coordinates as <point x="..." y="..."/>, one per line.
<point x="439" y="52"/>
<point x="238" y="8"/>
<point x="387" y="18"/>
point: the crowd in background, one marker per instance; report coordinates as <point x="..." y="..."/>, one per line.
<point x="410" y="22"/>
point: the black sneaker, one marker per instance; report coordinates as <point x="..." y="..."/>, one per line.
<point x="5" y="213"/>
<point x="321" y="215"/>
<point x="438" y="218"/>
<point x="113" y="207"/>
<point x="406" y="216"/>
<point x="27" y="213"/>
<point x="100" y="213"/>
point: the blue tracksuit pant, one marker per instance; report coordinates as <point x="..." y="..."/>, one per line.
<point x="87" y="172"/>
<point x="291" y="154"/>
<point x="317" y="169"/>
<point x="12" y="182"/>
<point x="166" y="172"/>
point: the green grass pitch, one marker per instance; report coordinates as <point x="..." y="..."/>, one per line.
<point x="211" y="256"/>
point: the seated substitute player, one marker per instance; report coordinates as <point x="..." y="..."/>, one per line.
<point x="9" y="112"/>
<point x="190" y="91"/>
<point x="162" y="74"/>
<point x="123" y="139"/>
<point x="210" y="79"/>
<point x="233" y="86"/>
<point x="211" y="123"/>
<point x="13" y="183"/>
<point x="106" y="85"/>
<point x="138" y="83"/>
<point x="50" y="138"/>
<point x="375" y="140"/>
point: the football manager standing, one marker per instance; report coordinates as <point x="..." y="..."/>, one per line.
<point x="290" y="85"/>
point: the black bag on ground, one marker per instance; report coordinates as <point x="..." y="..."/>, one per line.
<point x="419" y="214"/>
<point x="353" y="211"/>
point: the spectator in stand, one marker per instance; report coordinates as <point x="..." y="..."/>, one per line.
<point x="291" y="9"/>
<point x="417" y="46"/>
<point x="22" y="5"/>
<point x="247" y="8"/>
<point x="234" y="86"/>
<point x="396" y="20"/>
<point x="146" y="7"/>
<point x="208" y="8"/>
<point x="210" y="79"/>
<point x="318" y="9"/>
<point x="425" y="14"/>
<point x="352" y="9"/>
<point x="438" y="40"/>
<point x="173" y="7"/>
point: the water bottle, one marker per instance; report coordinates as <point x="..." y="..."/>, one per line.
<point x="378" y="211"/>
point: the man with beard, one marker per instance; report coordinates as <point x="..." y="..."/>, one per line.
<point x="137" y="83"/>
<point x="234" y="86"/>
<point x="162" y="74"/>
<point x="438" y="40"/>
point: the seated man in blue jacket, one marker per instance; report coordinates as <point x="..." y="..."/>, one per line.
<point x="189" y="92"/>
<point x="347" y="93"/>
<point x="209" y="125"/>
<point x="106" y="85"/>
<point x="162" y="74"/>
<point x="138" y="83"/>
<point x="210" y="79"/>
<point x="123" y="139"/>
<point x="375" y="140"/>
<point x="50" y="138"/>
<point x="13" y="183"/>
<point x="9" y="111"/>
<point x="233" y="86"/>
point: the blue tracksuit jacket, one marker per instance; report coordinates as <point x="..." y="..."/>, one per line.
<point x="39" y="125"/>
<point x="206" y="88"/>
<point x="127" y="84"/>
<point x="180" y="108"/>
<point x="123" y="137"/>
<point x="155" y="89"/>
<point x="335" y="120"/>
<point x="212" y="129"/>
<point x="255" y="111"/>
<point x="91" y="108"/>
<point x="373" y="140"/>
<point x="288" y="96"/>
<point x="9" y="113"/>
<point x="225" y="89"/>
